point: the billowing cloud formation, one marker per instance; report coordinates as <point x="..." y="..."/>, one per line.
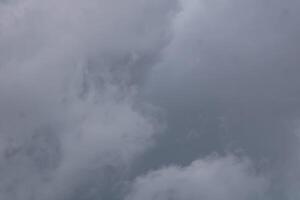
<point x="69" y="83"/>
<point x="76" y="114"/>
<point x="209" y="179"/>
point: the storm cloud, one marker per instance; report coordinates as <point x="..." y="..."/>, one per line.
<point x="149" y="99"/>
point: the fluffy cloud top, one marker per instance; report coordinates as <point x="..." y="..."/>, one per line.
<point x="210" y="179"/>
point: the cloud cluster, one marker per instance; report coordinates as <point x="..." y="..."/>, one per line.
<point x="210" y="179"/>
<point x="70" y="76"/>
<point x="77" y="79"/>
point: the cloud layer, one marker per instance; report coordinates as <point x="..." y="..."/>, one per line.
<point x="229" y="82"/>
<point x="98" y="96"/>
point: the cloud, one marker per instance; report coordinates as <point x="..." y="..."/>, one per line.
<point x="70" y="75"/>
<point x="229" y="82"/>
<point x="208" y="179"/>
<point x="78" y="80"/>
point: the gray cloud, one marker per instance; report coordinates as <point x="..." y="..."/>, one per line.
<point x="229" y="82"/>
<point x="86" y="86"/>
<point x="70" y="117"/>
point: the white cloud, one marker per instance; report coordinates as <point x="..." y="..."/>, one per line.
<point x="209" y="179"/>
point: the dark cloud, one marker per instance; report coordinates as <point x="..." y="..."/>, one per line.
<point x="86" y="86"/>
<point x="230" y="77"/>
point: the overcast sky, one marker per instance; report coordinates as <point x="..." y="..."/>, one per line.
<point x="149" y="99"/>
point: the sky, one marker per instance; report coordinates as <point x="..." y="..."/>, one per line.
<point x="149" y="100"/>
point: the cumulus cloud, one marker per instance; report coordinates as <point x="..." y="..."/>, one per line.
<point x="209" y="179"/>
